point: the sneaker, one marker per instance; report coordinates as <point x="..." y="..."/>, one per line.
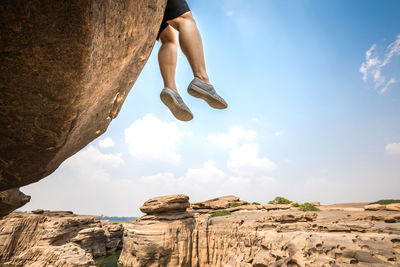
<point x="205" y="91"/>
<point x="175" y="104"/>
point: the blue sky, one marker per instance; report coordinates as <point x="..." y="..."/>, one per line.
<point x="314" y="101"/>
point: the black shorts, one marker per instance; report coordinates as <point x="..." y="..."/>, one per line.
<point x="174" y="9"/>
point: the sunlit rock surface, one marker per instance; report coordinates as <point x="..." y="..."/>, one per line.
<point x="43" y="238"/>
<point x="12" y="199"/>
<point x="338" y="235"/>
<point x="66" y="69"/>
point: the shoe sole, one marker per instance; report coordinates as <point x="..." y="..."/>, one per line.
<point x="173" y="105"/>
<point x="197" y="92"/>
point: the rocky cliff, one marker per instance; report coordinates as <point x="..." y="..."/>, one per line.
<point x="43" y="238"/>
<point x="341" y="235"/>
<point x="66" y="69"/>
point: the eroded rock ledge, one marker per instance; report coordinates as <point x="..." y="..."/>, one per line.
<point x="339" y="235"/>
<point x="66" y="69"/>
<point x="59" y="238"/>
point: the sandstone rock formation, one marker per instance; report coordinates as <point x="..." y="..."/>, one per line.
<point x="340" y="236"/>
<point x="66" y="69"/>
<point x="217" y="203"/>
<point x="166" y="204"/>
<point x="11" y="200"/>
<point x="388" y="207"/>
<point x="55" y="239"/>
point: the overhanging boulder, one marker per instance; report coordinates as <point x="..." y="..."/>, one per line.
<point x="66" y="69"/>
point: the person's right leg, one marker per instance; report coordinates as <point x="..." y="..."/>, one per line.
<point x="192" y="47"/>
<point x="167" y="57"/>
<point x="191" y="44"/>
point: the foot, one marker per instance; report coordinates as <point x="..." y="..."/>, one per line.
<point x="205" y="91"/>
<point x="176" y="105"/>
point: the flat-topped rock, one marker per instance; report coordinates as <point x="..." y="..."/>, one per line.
<point x="217" y="203"/>
<point x="388" y="207"/>
<point x="165" y="204"/>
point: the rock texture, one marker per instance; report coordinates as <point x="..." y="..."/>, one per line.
<point x="55" y="239"/>
<point x="388" y="207"/>
<point x="66" y="69"/>
<point x="11" y="200"/>
<point x="165" y="204"/>
<point x="339" y="236"/>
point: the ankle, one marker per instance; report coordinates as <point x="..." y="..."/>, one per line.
<point x="203" y="77"/>
<point x="173" y="88"/>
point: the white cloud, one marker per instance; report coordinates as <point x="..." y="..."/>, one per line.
<point x="392" y="51"/>
<point x="385" y="88"/>
<point x="374" y="66"/>
<point x="393" y="148"/>
<point x="207" y="174"/>
<point x="150" y="138"/>
<point x="106" y="143"/>
<point x="229" y="13"/>
<point x="232" y="138"/>
<point x="93" y="156"/>
<point x="245" y="160"/>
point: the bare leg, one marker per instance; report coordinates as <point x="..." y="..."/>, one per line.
<point x="167" y="57"/>
<point x="191" y="44"/>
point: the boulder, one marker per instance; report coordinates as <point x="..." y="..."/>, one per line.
<point x="217" y="203"/>
<point x="66" y="69"/>
<point x="393" y="207"/>
<point x="276" y="206"/>
<point x="38" y="211"/>
<point x="166" y="204"/>
<point x="11" y="200"/>
<point x="375" y="207"/>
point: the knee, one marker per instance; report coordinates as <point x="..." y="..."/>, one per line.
<point x="169" y="38"/>
<point x="182" y="20"/>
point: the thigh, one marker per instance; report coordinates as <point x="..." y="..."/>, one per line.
<point x="175" y="8"/>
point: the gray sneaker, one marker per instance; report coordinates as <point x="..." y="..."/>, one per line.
<point x="205" y="91"/>
<point x="175" y="104"/>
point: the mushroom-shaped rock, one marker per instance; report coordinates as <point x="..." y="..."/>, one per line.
<point x="173" y="203"/>
<point x="66" y="69"/>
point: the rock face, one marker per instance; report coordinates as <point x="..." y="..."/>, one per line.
<point x="11" y="200"/>
<point x="56" y="239"/>
<point x="66" y="69"/>
<point x="260" y="238"/>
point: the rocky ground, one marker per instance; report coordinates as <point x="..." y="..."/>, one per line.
<point x="61" y="239"/>
<point x="176" y="233"/>
<point x="261" y="235"/>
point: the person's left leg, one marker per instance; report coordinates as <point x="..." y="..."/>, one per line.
<point x="191" y="44"/>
